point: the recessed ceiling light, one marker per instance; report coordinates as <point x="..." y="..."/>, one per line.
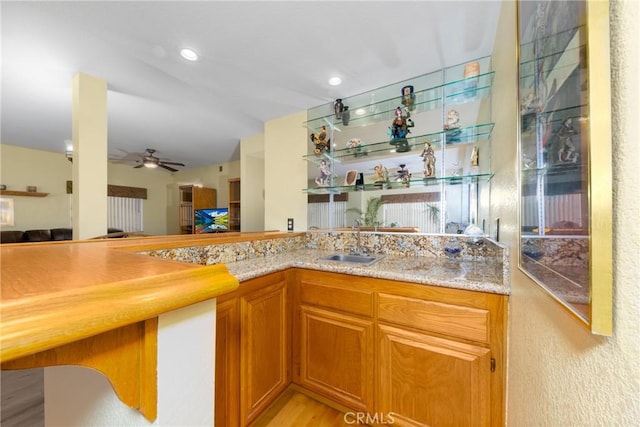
<point x="335" y="81"/>
<point x="360" y="112"/>
<point x="189" y="54"/>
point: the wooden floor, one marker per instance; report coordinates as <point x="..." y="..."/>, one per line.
<point x="23" y="405"/>
<point x="22" y="395"/>
<point x="294" y="409"/>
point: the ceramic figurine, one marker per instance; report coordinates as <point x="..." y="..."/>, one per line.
<point x="408" y="98"/>
<point x="452" y="126"/>
<point x="471" y="71"/>
<point x="475" y="157"/>
<point x="346" y="115"/>
<point x="338" y="108"/>
<point x="325" y="173"/>
<point x="400" y="129"/>
<point x="429" y="158"/>
<point x="320" y="141"/>
<point x="356" y="146"/>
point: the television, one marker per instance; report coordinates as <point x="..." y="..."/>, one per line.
<point x="211" y="220"/>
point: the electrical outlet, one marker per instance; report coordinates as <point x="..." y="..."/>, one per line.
<point x="289" y="224"/>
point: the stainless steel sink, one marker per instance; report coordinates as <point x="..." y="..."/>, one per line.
<point x="355" y="259"/>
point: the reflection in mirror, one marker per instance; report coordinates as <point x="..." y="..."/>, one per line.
<point x="557" y="171"/>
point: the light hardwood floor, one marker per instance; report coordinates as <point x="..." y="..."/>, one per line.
<point x="294" y="409"/>
<point x="23" y="405"/>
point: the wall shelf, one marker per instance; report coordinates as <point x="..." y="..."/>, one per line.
<point x="22" y="193"/>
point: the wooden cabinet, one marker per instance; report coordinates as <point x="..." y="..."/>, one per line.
<point x="234" y="204"/>
<point x="426" y="355"/>
<point x="253" y="349"/>
<point x="334" y="339"/>
<point x="193" y="198"/>
<point x="227" y="381"/>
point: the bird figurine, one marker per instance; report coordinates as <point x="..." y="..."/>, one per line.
<point x="320" y="141"/>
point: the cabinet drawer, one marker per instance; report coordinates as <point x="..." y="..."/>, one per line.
<point x="453" y="320"/>
<point x="348" y="300"/>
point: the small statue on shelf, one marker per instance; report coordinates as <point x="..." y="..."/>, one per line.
<point x="338" y="108"/>
<point x="429" y="159"/>
<point x="408" y="98"/>
<point x="475" y="157"/>
<point x="400" y="129"/>
<point x="567" y="150"/>
<point x="320" y="141"/>
<point x="325" y="173"/>
<point x="403" y="175"/>
<point x="452" y="126"/>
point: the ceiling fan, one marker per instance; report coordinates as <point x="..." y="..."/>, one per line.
<point x="152" y="162"/>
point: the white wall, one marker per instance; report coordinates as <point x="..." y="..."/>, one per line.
<point x="76" y="396"/>
<point x="285" y="144"/>
<point x="559" y="374"/>
<point x="252" y="183"/>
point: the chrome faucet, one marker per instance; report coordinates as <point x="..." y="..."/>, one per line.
<point x="358" y="249"/>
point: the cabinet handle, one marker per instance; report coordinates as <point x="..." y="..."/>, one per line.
<point x="493" y="364"/>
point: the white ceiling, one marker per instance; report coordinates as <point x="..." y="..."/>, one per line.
<point x="259" y="60"/>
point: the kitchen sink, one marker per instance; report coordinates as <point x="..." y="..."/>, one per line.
<point x="355" y="259"/>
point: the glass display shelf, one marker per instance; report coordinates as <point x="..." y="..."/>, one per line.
<point x="462" y="136"/>
<point x="414" y="182"/>
<point x="455" y="92"/>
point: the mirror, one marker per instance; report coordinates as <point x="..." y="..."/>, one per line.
<point x="565" y="155"/>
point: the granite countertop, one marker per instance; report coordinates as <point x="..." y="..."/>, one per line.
<point x="483" y="276"/>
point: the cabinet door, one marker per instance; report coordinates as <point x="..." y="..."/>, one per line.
<point x="204" y="198"/>
<point x="336" y="357"/>
<point x="264" y="355"/>
<point x="432" y="381"/>
<point x="227" y="381"/>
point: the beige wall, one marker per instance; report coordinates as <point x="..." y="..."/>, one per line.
<point x="559" y="374"/>
<point x="214" y="176"/>
<point x="48" y="171"/>
<point x="285" y="142"/>
<point x="156" y="182"/>
<point x="252" y="183"/>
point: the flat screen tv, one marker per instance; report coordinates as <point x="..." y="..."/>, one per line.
<point x="211" y="220"/>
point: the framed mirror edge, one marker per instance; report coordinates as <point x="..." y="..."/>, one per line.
<point x="599" y="185"/>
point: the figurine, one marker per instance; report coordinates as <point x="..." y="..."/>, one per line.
<point x="357" y="146"/>
<point x="429" y="158"/>
<point x="346" y="115"/>
<point x="408" y="98"/>
<point x="475" y="157"/>
<point x="320" y="141"/>
<point x="403" y="175"/>
<point x="399" y="130"/>
<point x="325" y="174"/>
<point x="567" y="150"/>
<point x="338" y="108"/>
<point x="452" y="125"/>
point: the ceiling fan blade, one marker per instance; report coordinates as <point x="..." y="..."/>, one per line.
<point x="172" y="163"/>
<point x="139" y="166"/>
<point x="162" y="165"/>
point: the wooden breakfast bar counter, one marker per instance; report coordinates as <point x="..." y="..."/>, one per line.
<point x="96" y="303"/>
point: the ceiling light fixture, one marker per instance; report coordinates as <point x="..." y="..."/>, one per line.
<point x="189" y="54"/>
<point x="360" y="112"/>
<point x="335" y="81"/>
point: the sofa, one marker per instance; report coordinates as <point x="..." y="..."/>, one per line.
<point x="42" y="235"/>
